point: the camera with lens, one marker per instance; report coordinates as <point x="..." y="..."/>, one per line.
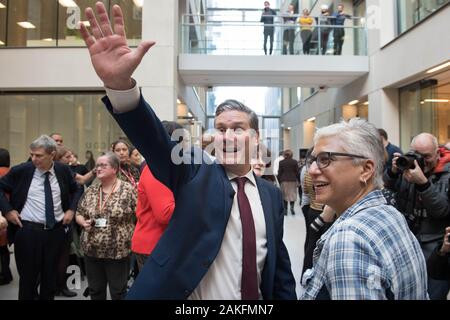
<point x="406" y="161"/>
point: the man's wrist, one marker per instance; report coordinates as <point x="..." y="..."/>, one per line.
<point x="124" y="100"/>
<point x="121" y="86"/>
<point x="423" y="186"/>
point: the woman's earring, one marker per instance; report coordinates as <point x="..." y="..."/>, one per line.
<point x="365" y="183"/>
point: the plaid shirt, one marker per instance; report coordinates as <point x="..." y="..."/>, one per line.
<point x="366" y="254"/>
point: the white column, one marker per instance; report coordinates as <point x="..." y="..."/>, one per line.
<point x="157" y="74"/>
<point x="384" y="112"/>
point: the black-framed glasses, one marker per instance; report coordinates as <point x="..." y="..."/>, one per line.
<point x="323" y="159"/>
<point x="102" y="165"/>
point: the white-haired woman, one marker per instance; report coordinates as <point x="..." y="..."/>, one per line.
<point x="369" y="252"/>
<point x="106" y="213"/>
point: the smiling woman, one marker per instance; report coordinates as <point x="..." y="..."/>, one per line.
<point x="358" y="257"/>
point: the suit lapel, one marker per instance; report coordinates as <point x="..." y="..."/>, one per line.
<point x="228" y="194"/>
<point x="267" y="204"/>
<point x="27" y="179"/>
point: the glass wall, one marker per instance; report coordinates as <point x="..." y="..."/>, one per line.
<point x="411" y="12"/>
<point x="425" y="107"/>
<point x="82" y="120"/>
<point x="2" y="22"/>
<point x="44" y="23"/>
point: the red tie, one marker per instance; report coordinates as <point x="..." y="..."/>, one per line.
<point x="249" y="281"/>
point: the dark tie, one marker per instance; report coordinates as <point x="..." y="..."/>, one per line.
<point x="49" y="212"/>
<point x="249" y="281"/>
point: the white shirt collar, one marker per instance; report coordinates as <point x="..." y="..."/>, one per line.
<point x="250" y="176"/>
<point x="52" y="170"/>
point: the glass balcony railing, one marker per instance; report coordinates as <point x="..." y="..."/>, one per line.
<point x="228" y="37"/>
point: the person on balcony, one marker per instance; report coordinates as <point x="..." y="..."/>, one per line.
<point x="267" y="18"/>
<point x="338" y="19"/>
<point x="306" y="30"/>
<point x="289" y="30"/>
<point x="323" y="22"/>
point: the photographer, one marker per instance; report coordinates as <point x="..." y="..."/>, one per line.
<point x="421" y="195"/>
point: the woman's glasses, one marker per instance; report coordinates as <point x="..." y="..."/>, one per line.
<point x="102" y="165"/>
<point x="324" y="159"/>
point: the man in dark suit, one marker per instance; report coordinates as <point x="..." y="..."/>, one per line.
<point x="224" y="240"/>
<point x="43" y="200"/>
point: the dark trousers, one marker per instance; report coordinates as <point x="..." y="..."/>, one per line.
<point x="63" y="262"/>
<point x="324" y="35"/>
<point x="437" y="289"/>
<point x="311" y="237"/>
<point x="141" y="258"/>
<point x="111" y="272"/>
<point x="267" y="34"/>
<point x="338" y="35"/>
<point x="5" y="274"/>
<point x="306" y="40"/>
<point x="36" y="252"/>
<point x="288" y="40"/>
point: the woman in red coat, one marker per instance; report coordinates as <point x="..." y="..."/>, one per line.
<point x="155" y="206"/>
<point x="153" y="212"/>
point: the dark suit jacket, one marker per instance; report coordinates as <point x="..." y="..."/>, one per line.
<point x="17" y="183"/>
<point x="204" y="197"/>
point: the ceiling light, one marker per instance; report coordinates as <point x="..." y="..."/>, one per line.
<point x="311" y="119"/>
<point x="351" y="103"/>
<point x="437" y="100"/>
<point x="47" y="39"/>
<point x="138" y="3"/>
<point x="366" y="103"/>
<point x="2" y="6"/>
<point x="68" y="3"/>
<point x="442" y="66"/>
<point x="289" y="128"/>
<point x="26" y="25"/>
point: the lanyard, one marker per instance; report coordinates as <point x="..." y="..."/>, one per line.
<point x="101" y="203"/>
<point x="129" y="177"/>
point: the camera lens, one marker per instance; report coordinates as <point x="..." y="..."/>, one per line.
<point x="403" y="163"/>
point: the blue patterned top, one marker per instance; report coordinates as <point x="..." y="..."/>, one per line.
<point x="369" y="253"/>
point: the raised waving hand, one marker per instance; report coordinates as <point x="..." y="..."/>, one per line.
<point x="113" y="61"/>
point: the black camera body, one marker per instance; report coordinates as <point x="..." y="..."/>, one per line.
<point x="406" y="161"/>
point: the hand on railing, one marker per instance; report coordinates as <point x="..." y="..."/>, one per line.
<point x="113" y="61"/>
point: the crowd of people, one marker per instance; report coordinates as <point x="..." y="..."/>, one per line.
<point x="314" y="31"/>
<point x="377" y="220"/>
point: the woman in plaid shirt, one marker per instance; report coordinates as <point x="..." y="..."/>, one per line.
<point x="369" y="251"/>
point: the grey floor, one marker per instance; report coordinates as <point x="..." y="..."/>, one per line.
<point x="294" y="237"/>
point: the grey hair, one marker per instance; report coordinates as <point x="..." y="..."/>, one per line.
<point x="45" y="142"/>
<point x="358" y="137"/>
<point x="113" y="160"/>
<point x="230" y="105"/>
<point x="434" y="140"/>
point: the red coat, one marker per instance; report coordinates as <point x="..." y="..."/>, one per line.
<point x="444" y="158"/>
<point x="155" y="206"/>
